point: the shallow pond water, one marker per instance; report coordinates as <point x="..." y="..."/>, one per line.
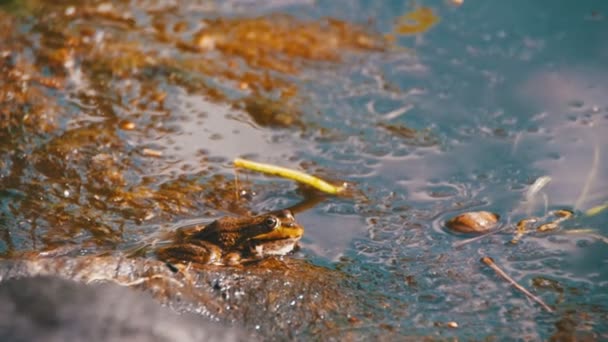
<point x="466" y="115"/>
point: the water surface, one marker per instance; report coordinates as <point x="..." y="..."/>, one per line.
<point x="463" y="116"/>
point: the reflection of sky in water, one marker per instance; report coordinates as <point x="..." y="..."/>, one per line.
<point x="222" y="132"/>
<point x="574" y="127"/>
<point x="499" y="84"/>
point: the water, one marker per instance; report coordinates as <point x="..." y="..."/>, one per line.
<point x="499" y="94"/>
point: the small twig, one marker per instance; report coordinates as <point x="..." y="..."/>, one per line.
<point x="148" y="152"/>
<point x="490" y="262"/>
<point x="467" y="241"/>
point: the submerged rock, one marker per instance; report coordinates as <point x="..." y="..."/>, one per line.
<point x="48" y="308"/>
<point x="278" y="298"/>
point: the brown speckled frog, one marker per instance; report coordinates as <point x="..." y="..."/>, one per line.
<point x="233" y="240"/>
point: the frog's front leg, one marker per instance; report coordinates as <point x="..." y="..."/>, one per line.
<point x="200" y="253"/>
<point x="232" y="259"/>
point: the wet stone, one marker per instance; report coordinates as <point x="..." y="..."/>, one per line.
<point x="48" y="308"/>
<point x="272" y="297"/>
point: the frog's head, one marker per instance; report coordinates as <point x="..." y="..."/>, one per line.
<point x="281" y="239"/>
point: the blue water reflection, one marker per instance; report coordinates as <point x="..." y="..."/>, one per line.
<point x="514" y="91"/>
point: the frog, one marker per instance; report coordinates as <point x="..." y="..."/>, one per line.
<point x="234" y="240"/>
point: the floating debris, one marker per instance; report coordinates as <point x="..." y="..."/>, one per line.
<point x="547" y="227"/>
<point x="412" y="137"/>
<point x="127" y="125"/>
<point x="562" y="215"/>
<point x="148" y="152"/>
<point x="522" y="228"/>
<point x="417" y="21"/>
<point x="523" y="225"/>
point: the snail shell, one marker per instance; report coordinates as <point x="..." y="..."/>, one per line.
<point x="476" y="222"/>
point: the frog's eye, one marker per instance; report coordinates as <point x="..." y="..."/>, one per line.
<point x="271" y="222"/>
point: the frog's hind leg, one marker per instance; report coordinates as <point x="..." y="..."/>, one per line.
<point x="190" y="253"/>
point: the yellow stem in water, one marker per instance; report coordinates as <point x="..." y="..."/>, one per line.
<point x="597" y="209"/>
<point x="298" y="176"/>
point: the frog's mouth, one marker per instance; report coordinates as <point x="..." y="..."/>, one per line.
<point x="281" y="246"/>
<point x="284" y="232"/>
<point x="280" y="241"/>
